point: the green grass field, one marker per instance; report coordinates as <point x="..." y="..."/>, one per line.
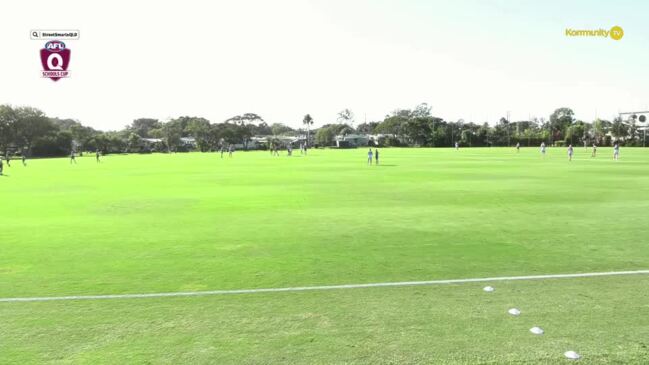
<point x="194" y="222"/>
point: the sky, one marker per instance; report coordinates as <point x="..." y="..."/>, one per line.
<point x="471" y="59"/>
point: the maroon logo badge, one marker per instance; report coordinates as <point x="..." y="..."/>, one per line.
<point x="55" y="58"/>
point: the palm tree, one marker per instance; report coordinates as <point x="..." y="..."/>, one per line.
<point x="308" y="121"/>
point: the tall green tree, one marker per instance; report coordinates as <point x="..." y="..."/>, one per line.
<point x="560" y="120"/>
<point x="367" y="128"/>
<point x="200" y="129"/>
<point x="345" y="116"/>
<point x="31" y="124"/>
<point x="8" y="119"/>
<point x="325" y="136"/>
<point x="619" y="129"/>
<point x="172" y="131"/>
<point x="134" y="142"/>
<point x="421" y="111"/>
<point x="81" y="134"/>
<point x="143" y="126"/>
<point x="600" y="129"/>
<point x="243" y="121"/>
<point x="279" y="129"/>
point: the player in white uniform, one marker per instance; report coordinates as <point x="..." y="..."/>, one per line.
<point x="543" y="148"/>
<point x="594" y="154"/>
<point x="616" y="151"/>
<point x="570" y="152"/>
<point x="369" y="156"/>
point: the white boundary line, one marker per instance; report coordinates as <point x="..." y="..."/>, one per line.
<point x="323" y="287"/>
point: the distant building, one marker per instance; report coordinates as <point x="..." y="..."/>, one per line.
<point x="386" y="139"/>
<point x="152" y="140"/>
<point x="188" y="142"/>
<point x="352" y="140"/>
<point x="153" y="144"/>
<point x="262" y="142"/>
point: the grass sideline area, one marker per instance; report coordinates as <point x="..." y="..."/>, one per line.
<point x="191" y="222"/>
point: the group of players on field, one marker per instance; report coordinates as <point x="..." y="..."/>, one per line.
<point x="372" y="156"/>
<point x="571" y="150"/>
<point x="274" y="149"/>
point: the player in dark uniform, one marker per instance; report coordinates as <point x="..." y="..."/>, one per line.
<point x="73" y="158"/>
<point x="376" y="156"/>
<point x="1" y="166"/>
<point x="97" y="155"/>
<point x="24" y="158"/>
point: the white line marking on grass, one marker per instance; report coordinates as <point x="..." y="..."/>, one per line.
<point x="322" y="287"/>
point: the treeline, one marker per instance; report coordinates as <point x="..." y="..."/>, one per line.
<point x="417" y="127"/>
<point x="27" y="130"/>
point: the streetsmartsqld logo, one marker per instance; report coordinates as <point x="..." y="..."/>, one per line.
<point x="55" y="59"/>
<point x="615" y="33"/>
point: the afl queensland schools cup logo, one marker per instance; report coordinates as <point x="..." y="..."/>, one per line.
<point x="55" y="58"/>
